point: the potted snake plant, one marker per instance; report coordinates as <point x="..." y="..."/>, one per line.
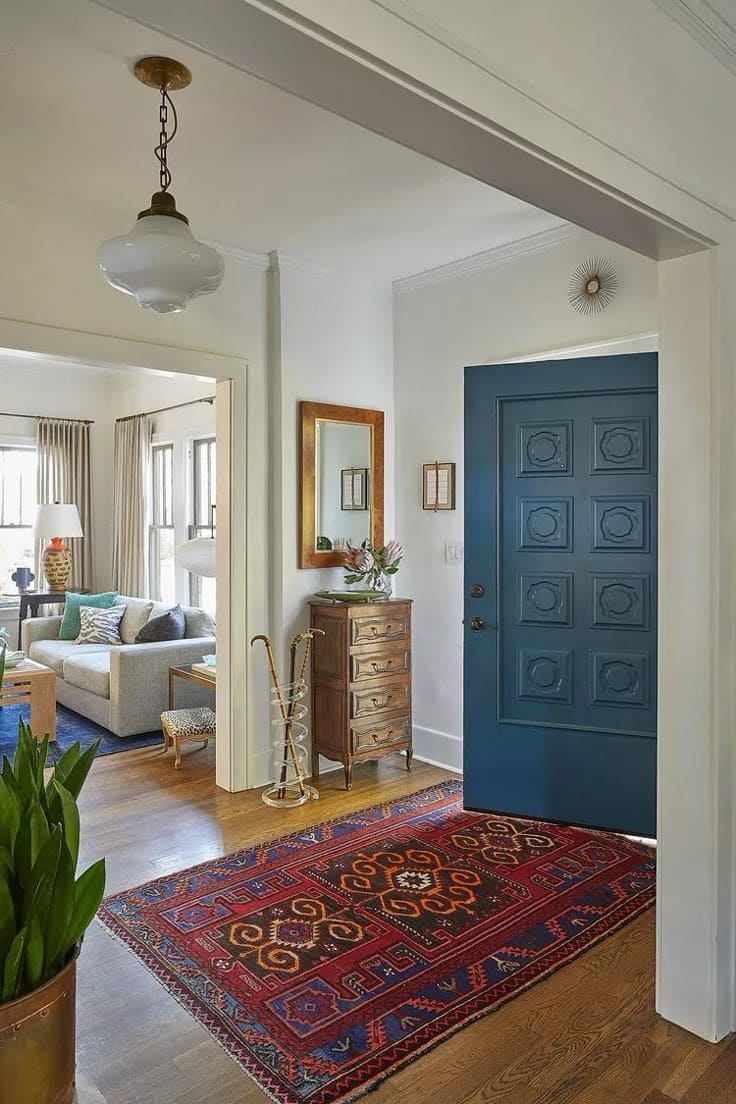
<point x="45" y="908"/>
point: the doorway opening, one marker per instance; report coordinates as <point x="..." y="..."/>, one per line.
<point x="144" y="501"/>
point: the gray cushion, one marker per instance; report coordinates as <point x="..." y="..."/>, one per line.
<point x="159" y="609"/>
<point x="89" y="672"/>
<point x="198" y="622"/>
<point x="137" y="613"/>
<point x="53" y="653"/>
<point x="169" y="626"/>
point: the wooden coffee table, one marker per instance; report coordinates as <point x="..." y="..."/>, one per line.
<point x="34" y="683"/>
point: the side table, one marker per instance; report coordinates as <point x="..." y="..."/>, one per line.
<point x="32" y="682"/>
<point x="32" y="599"/>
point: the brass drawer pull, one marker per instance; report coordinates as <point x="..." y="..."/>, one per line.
<point x="382" y="670"/>
<point x="377" y="703"/>
<point x="386" y="630"/>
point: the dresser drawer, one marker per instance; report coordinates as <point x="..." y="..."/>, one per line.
<point x="379" y="664"/>
<point x="395" y="731"/>
<point x="381" y="627"/>
<point x="380" y="698"/>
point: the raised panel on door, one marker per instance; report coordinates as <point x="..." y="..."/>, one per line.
<point x="560" y="686"/>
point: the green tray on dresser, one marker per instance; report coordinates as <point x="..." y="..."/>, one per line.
<point x="352" y="595"/>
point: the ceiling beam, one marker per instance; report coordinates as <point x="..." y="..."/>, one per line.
<point x="297" y="59"/>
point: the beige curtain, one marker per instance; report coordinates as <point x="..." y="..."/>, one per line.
<point x="64" y="474"/>
<point x="130" y="515"/>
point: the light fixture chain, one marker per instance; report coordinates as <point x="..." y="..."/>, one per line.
<point x="164" y="138"/>
<point x="163" y="141"/>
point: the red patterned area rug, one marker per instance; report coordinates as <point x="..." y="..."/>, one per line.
<point x="325" y="960"/>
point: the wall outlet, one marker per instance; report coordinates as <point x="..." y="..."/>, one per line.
<point x="454" y="552"/>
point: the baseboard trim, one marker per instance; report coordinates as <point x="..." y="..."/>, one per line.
<point x="440" y="749"/>
<point x="435" y="763"/>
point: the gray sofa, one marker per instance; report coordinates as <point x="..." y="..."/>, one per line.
<point x="123" y="687"/>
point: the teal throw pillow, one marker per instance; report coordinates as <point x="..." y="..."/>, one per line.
<point x="70" y="623"/>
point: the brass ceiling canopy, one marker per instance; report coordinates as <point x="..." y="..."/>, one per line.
<point x="162" y="72"/>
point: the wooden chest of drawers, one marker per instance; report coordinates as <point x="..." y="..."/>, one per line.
<point x="361" y="682"/>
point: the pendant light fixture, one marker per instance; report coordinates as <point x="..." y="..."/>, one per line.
<point x="160" y="261"/>
<point x="198" y="555"/>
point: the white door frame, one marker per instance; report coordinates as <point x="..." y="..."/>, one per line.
<point x="230" y="373"/>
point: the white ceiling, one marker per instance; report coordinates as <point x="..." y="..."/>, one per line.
<point x="254" y="167"/>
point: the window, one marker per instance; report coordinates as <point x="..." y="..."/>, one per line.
<point x="181" y="508"/>
<point x="17" y="511"/>
<point x="162" y="539"/>
<point x="201" y="589"/>
<point x="203" y="470"/>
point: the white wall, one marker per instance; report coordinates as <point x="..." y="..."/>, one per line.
<point x="332" y="342"/>
<point x="513" y="309"/>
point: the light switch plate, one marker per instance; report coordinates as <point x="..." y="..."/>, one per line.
<point x="454" y="551"/>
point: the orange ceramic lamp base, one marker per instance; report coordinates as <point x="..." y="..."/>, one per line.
<point x="57" y="564"/>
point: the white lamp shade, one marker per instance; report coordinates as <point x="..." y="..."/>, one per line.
<point x="161" y="263"/>
<point x="198" y="556"/>
<point x="57" y="519"/>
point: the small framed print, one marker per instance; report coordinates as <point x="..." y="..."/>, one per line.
<point x="354" y="489"/>
<point x="438" y="486"/>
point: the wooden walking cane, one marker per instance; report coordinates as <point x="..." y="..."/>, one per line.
<point x="288" y="742"/>
<point x="308" y="635"/>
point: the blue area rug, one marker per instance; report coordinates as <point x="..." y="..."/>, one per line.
<point x="70" y="727"/>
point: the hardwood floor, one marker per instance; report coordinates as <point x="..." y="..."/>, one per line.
<point x="586" y="1035"/>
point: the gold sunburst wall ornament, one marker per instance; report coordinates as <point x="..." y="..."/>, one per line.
<point x="593" y="285"/>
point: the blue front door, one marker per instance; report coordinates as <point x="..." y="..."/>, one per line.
<point x="560" y="590"/>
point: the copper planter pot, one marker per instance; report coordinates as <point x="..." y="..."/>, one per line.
<point x="37" y="1043"/>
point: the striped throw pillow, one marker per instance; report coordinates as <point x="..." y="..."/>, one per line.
<point x="100" y="626"/>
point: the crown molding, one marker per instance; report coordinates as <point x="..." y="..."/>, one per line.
<point x="285" y="262"/>
<point x="489" y="258"/>
<point x="259" y="261"/>
<point x="703" y="23"/>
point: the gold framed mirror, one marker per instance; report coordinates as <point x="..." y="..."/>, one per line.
<point x="341" y="453"/>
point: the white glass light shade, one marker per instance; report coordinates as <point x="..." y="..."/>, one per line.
<point x="161" y="263"/>
<point x="57" y="519"/>
<point x="198" y="556"/>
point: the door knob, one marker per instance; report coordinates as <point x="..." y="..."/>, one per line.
<point x="476" y="623"/>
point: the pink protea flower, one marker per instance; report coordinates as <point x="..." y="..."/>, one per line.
<point x="351" y="557"/>
<point x="392" y="554"/>
<point x="366" y="561"/>
<point x="359" y="560"/>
